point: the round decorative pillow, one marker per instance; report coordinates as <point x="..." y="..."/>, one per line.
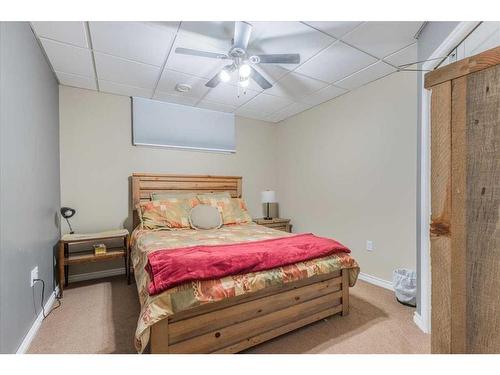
<point x="204" y="216"/>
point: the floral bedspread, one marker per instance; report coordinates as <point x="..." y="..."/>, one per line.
<point x="191" y="294"/>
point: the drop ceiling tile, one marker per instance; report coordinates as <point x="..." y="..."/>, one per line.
<point x="383" y="38"/>
<point x="337" y="29"/>
<point x="273" y="73"/>
<point x="276" y="117"/>
<point x="203" y="67"/>
<point x="74" y="80"/>
<point x="68" y="59"/>
<point x="229" y="95"/>
<point x="287" y="37"/>
<point x="265" y="104"/>
<point x="369" y="74"/>
<point x="406" y="55"/>
<point x="323" y="95"/>
<point x="216" y="34"/>
<point x="66" y="32"/>
<point x="119" y="89"/>
<point x="170" y="79"/>
<point x="288" y="111"/>
<point x="252" y="115"/>
<point x="296" y="108"/>
<point x="336" y="62"/>
<point x="215" y="106"/>
<point x="177" y="99"/>
<point x="140" y="41"/>
<point x="125" y="72"/>
<point x="295" y="86"/>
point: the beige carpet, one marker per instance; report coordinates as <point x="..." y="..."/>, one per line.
<point x="100" y="317"/>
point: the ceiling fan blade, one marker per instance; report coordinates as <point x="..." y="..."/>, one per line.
<point x="242" y="31"/>
<point x="194" y="52"/>
<point x="284" y="58"/>
<point x="261" y="81"/>
<point x="214" y="81"/>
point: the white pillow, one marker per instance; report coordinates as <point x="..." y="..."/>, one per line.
<point x="204" y="216"/>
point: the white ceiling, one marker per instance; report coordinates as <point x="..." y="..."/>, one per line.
<point x="137" y="59"/>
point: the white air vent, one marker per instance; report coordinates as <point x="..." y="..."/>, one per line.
<point x="183" y="87"/>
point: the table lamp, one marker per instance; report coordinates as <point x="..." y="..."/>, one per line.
<point x="67" y="213"/>
<point x="268" y="196"/>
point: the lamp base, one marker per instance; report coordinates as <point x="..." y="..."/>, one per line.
<point x="267" y="218"/>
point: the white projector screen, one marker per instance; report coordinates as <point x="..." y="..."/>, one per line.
<point x="161" y="124"/>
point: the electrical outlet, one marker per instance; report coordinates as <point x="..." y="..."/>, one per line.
<point x="34" y="275"/>
<point x="369" y="245"/>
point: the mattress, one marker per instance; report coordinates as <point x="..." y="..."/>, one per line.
<point x="194" y="293"/>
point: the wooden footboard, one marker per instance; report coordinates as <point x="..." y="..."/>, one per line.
<point x="235" y="324"/>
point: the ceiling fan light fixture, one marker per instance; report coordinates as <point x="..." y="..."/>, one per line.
<point x="224" y="75"/>
<point x="239" y="59"/>
<point x="254" y="59"/>
<point x="244" y="71"/>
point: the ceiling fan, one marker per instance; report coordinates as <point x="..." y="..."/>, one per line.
<point x="239" y="59"/>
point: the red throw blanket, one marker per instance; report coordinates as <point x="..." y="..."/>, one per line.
<point x="170" y="267"/>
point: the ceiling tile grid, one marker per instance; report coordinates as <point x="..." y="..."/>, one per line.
<point x="295" y="86"/>
<point x="380" y="39"/>
<point x="215" y="106"/>
<point x="66" y="32"/>
<point x="228" y="94"/>
<point x="369" y="74"/>
<point x="75" y="80"/>
<point x="127" y="72"/>
<point x="139" y="59"/>
<point x="405" y="56"/>
<point x="336" y="62"/>
<point x="67" y="58"/>
<point x="323" y="95"/>
<point x="126" y="90"/>
<point x="137" y="41"/>
<point x="265" y="104"/>
<point x="337" y="29"/>
<point x="177" y="99"/>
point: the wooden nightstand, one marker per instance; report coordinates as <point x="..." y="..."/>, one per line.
<point x="279" y="224"/>
<point x="65" y="258"/>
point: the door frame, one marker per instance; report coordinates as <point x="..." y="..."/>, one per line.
<point x="459" y="33"/>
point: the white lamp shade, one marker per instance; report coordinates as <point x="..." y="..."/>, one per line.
<point x="268" y="196"/>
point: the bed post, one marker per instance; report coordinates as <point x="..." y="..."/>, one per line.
<point x="136" y="199"/>
<point x="345" y="291"/>
<point x="159" y="337"/>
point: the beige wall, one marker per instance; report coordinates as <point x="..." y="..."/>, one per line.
<point x="347" y="169"/>
<point x="97" y="157"/>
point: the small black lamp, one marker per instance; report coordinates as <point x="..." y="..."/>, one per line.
<point x="67" y="213"/>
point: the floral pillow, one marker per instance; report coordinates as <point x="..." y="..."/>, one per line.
<point x="233" y="210"/>
<point x="171" y="213"/>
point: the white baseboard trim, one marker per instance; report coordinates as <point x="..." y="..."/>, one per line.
<point x="376" y="281"/>
<point x="96" y="274"/>
<point x="417" y="319"/>
<point x="25" y="344"/>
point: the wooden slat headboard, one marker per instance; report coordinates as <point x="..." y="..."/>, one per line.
<point x="143" y="184"/>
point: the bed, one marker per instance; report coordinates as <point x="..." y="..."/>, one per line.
<point x="236" y="312"/>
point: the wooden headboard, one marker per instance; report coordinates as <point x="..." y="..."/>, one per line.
<point x="143" y="184"/>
